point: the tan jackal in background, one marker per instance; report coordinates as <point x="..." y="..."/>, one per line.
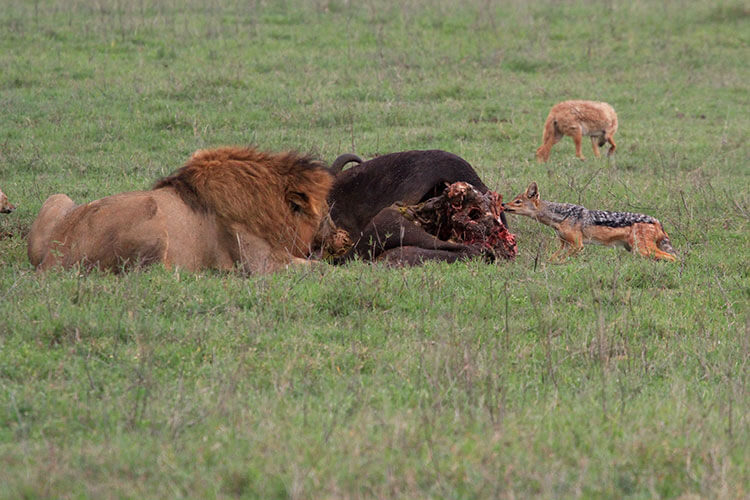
<point x="597" y="120"/>
<point x="576" y="225"/>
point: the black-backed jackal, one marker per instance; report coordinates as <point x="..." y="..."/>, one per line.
<point x="576" y="225"/>
<point x="597" y="120"/>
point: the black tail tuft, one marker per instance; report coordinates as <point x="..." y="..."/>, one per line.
<point x="666" y="246"/>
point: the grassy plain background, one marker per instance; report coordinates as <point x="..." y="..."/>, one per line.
<point x="608" y="376"/>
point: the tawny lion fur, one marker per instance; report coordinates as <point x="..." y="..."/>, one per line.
<point x="6" y="206"/>
<point x="597" y="120"/>
<point x="225" y="207"/>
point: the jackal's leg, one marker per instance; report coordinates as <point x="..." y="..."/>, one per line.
<point x="643" y="240"/>
<point x="612" y="149"/>
<point x="595" y="147"/>
<point x="575" y="247"/>
<point x="569" y="246"/>
<point x="577" y="138"/>
<point x="557" y="256"/>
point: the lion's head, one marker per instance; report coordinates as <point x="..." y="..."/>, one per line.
<point x="281" y="196"/>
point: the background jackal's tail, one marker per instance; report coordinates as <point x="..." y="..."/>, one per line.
<point x="549" y="128"/>
<point x="547" y="137"/>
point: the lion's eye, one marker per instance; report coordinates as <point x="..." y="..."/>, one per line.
<point x="295" y="208"/>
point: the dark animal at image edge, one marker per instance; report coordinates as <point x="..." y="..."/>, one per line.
<point x="6" y="206"/>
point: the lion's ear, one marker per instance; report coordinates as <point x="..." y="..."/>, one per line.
<point x="197" y="153"/>
<point x="298" y="202"/>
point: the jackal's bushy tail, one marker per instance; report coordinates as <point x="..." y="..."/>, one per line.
<point x="664" y="244"/>
<point x="549" y="128"/>
<point x="547" y="137"/>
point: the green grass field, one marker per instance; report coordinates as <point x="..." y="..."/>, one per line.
<point x="608" y="376"/>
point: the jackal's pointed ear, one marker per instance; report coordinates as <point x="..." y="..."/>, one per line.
<point x="532" y="192"/>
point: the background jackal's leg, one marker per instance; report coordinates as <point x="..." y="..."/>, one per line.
<point x="595" y="147"/>
<point x="577" y="138"/>
<point x="612" y="149"/>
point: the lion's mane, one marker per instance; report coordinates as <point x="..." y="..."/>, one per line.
<point x="281" y="196"/>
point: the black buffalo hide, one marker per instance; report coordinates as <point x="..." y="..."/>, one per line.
<point x="364" y="201"/>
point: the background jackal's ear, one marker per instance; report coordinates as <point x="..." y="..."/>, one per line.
<point x="532" y="191"/>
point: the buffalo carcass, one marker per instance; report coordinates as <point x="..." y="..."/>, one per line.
<point x="395" y="208"/>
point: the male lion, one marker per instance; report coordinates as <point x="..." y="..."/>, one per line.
<point x="225" y="207"/>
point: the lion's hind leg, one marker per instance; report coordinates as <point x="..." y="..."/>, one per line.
<point x="53" y="211"/>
